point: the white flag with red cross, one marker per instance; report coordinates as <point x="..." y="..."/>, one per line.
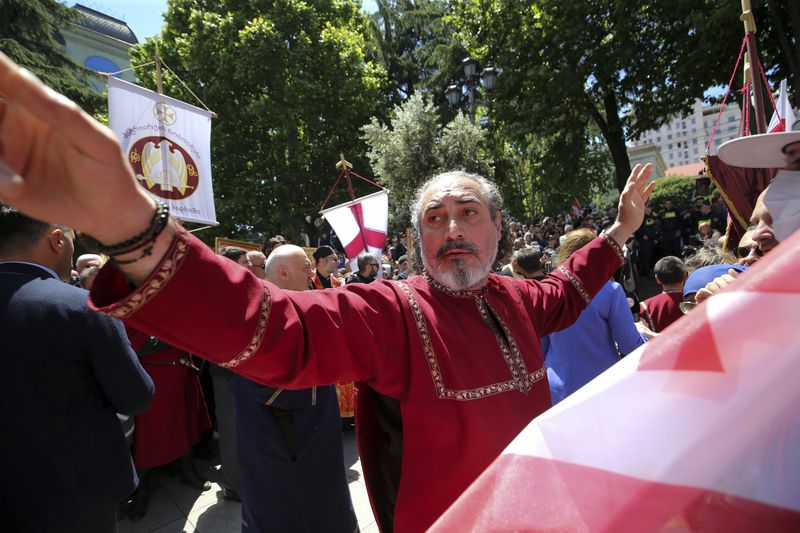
<point x="783" y="117"/>
<point x="361" y="225"/>
<point x="698" y="430"/>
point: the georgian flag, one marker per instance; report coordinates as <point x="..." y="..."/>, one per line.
<point x="786" y="120"/>
<point x="698" y="430"/>
<point x="361" y="225"/>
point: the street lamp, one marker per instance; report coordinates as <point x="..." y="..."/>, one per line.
<point x="469" y="84"/>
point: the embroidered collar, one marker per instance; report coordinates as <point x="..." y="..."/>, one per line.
<point x="466" y="293"/>
<point x="673" y="291"/>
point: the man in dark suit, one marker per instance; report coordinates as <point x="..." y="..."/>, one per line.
<point x="64" y="374"/>
<point x="290" y="441"/>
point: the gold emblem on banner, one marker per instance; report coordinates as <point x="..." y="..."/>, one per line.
<point x="165" y="113"/>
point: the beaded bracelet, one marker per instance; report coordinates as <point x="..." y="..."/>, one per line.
<point x="142" y="240"/>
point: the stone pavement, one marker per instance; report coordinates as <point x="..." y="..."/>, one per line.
<point x="176" y="508"/>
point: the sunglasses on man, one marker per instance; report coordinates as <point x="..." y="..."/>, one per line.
<point x="744" y="251"/>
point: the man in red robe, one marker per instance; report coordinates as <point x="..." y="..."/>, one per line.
<point x="662" y="309"/>
<point x="456" y="347"/>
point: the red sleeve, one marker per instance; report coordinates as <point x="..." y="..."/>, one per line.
<point x="210" y="306"/>
<point x="557" y="301"/>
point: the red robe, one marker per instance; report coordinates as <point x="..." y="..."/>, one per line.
<point x="466" y="367"/>
<point x="178" y="415"/>
<point x="661" y="310"/>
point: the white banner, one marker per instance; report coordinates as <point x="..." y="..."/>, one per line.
<point x="361" y="225"/>
<point x="168" y="144"/>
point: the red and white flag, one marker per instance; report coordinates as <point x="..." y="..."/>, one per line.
<point x="576" y="208"/>
<point x="361" y="225"/>
<point x="698" y="430"/>
<point x="783" y="118"/>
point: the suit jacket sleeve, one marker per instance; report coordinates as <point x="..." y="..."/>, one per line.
<point x="208" y="305"/>
<point x="125" y="383"/>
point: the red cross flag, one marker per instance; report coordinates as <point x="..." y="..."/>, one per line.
<point x="783" y="117"/>
<point x="361" y="225"/>
<point x="698" y="430"/>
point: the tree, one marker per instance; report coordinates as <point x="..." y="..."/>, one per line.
<point x="292" y="86"/>
<point x="413" y="146"/>
<point x="415" y="42"/>
<point x="622" y="67"/>
<point x="28" y="33"/>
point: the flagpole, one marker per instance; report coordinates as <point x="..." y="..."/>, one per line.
<point x="346" y="165"/>
<point x="159" y="78"/>
<point x="752" y="51"/>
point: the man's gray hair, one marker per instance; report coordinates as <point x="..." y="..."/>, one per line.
<point x="365" y="259"/>
<point x="494" y="201"/>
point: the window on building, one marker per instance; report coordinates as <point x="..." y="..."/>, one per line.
<point x="695" y="151"/>
<point x="694" y="141"/>
<point x="669" y="146"/>
<point x="731" y="118"/>
<point x="669" y="136"/>
<point x="686" y="154"/>
<point x="693" y="122"/>
<point x="658" y="139"/>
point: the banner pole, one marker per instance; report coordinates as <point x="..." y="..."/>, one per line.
<point x="159" y="78"/>
<point x="346" y="165"/>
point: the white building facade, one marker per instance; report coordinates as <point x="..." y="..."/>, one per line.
<point x="683" y="140"/>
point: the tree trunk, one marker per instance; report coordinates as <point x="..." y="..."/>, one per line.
<point x="785" y="46"/>
<point x="611" y="128"/>
<point x="616" y="140"/>
<point x="794" y="15"/>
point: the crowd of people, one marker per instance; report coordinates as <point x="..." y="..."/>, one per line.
<point x="442" y="363"/>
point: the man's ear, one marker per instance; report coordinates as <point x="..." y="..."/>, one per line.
<point x="56" y="239"/>
<point x="498" y="222"/>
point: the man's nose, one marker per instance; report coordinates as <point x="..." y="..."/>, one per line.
<point x="454" y="230"/>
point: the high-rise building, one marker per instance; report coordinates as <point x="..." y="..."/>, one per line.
<point x="683" y="140"/>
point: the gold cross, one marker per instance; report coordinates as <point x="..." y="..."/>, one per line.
<point x="343" y="163"/>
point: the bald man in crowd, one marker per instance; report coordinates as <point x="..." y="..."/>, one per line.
<point x="290" y="441"/>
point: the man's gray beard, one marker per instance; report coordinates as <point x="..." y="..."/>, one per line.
<point x="460" y="276"/>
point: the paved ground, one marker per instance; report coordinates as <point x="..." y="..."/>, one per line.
<point x="176" y="508"/>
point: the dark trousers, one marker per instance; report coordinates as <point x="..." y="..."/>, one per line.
<point x="102" y="522"/>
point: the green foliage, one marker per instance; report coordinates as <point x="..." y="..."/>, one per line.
<point x="620" y="66"/>
<point x="679" y="189"/>
<point x="414" y="41"/>
<point x="413" y="146"/>
<point x="28" y="30"/>
<point x="291" y="83"/>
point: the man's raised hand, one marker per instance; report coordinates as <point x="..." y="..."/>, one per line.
<point x="62" y="166"/>
<point x="631" y="203"/>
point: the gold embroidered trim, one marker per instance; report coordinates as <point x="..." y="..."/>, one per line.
<point x="508" y="347"/>
<point x="576" y="283"/>
<point x="615" y="246"/>
<point x="466" y="293"/>
<point x="274" y="396"/>
<point x="313" y="396"/>
<point x="258" y="336"/>
<point x="524" y="382"/>
<point x="158" y="279"/>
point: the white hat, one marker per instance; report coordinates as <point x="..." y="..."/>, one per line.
<point x="759" y="151"/>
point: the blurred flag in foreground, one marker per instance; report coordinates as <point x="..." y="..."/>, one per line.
<point x="699" y="430"/>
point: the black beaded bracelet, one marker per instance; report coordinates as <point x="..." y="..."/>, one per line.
<point x="148" y="236"/>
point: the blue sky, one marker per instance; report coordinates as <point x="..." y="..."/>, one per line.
<point x="144" y="16"/>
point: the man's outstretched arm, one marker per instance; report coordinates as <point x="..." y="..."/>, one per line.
<point x="59" y="165"/>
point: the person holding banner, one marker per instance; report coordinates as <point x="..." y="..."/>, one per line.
<point x="464" y="362"/>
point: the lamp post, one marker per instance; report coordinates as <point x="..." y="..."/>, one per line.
<point x="469" y="84"/>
